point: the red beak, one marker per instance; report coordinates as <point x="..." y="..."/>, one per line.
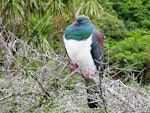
<point x="75" y="23"/>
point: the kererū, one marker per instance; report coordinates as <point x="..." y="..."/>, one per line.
<point x="84" y="45"/>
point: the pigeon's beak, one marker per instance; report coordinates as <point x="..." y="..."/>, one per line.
<point x="75" y="23"/>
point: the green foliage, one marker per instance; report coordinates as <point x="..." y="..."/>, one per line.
<point x="133" y="51"/>
<point x="39" y="28"/>
<point x="145" y="23"/>
<point x="108" y="7"/>
<point x="14" y="8"/>
<point x="133" y="48"/>
<point x="111" y="26"/>
<point x="56" y="7"/>
<point x="92" y="7"/>
<point x="133" y="11"/>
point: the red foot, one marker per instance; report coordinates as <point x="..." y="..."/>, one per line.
<point x="86" y="75"/>
<point x="74" y="67"/>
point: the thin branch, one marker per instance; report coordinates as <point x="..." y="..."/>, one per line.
<point x="36" y="79"/>
<point x="79" y="8"/>
<point x="102" y="93"/>
<point x="19" y="94"/>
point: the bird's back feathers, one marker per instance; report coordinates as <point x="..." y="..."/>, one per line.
<point x="97" y="49"/>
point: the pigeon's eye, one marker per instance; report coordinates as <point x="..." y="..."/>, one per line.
<point x="83" y="20"/>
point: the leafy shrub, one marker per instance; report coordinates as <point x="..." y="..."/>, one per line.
<point x="145" y="23"/>
<point x="133" y="52"/>
<point x="111" y="26"/>
<point x="133" y="11"/>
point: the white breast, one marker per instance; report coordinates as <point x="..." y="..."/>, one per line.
<point x="80" y="53"/>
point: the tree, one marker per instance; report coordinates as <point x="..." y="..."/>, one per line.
<point x="132" y="11"/>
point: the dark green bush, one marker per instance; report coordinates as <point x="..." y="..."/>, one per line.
<point x="133" y="52"/>
<point x="134" y="11"/>
<point x="111" y="26"/>
<point x="145" y="24"/>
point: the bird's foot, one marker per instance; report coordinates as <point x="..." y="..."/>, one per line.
<point x="86" y="75"/>
<point x="74" y="67"/>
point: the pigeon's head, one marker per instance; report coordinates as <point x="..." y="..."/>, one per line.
<point x="81" y="20"/>
<point x="80" y="29"/>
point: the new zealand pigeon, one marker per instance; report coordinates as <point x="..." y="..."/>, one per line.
<point x="84" y="45"/>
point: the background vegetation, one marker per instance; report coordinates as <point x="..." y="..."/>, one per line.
<point x="125" y="25"/>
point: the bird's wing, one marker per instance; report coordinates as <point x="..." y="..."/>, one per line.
<point x="98" y="57"/>
<point x="97" y="49"/>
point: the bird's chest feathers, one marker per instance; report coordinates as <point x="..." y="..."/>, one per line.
<point x="80" y="52"/>
<point x="80" y="32"/>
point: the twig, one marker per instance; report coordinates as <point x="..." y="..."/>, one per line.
<point x="37" y="105"/>
<point x="36" y="79"/>
<point x="101" y="93"/>
<point x="19" y="94"/>
<point x="68" y="76"/>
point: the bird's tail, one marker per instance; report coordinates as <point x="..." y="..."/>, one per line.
<point x="92" y="97"/>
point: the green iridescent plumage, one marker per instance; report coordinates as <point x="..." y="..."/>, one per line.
<point x="79" y="32"/>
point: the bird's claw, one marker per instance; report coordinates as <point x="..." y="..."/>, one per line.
<point x="74" y="67"/>
<point x="86" y="75"/>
